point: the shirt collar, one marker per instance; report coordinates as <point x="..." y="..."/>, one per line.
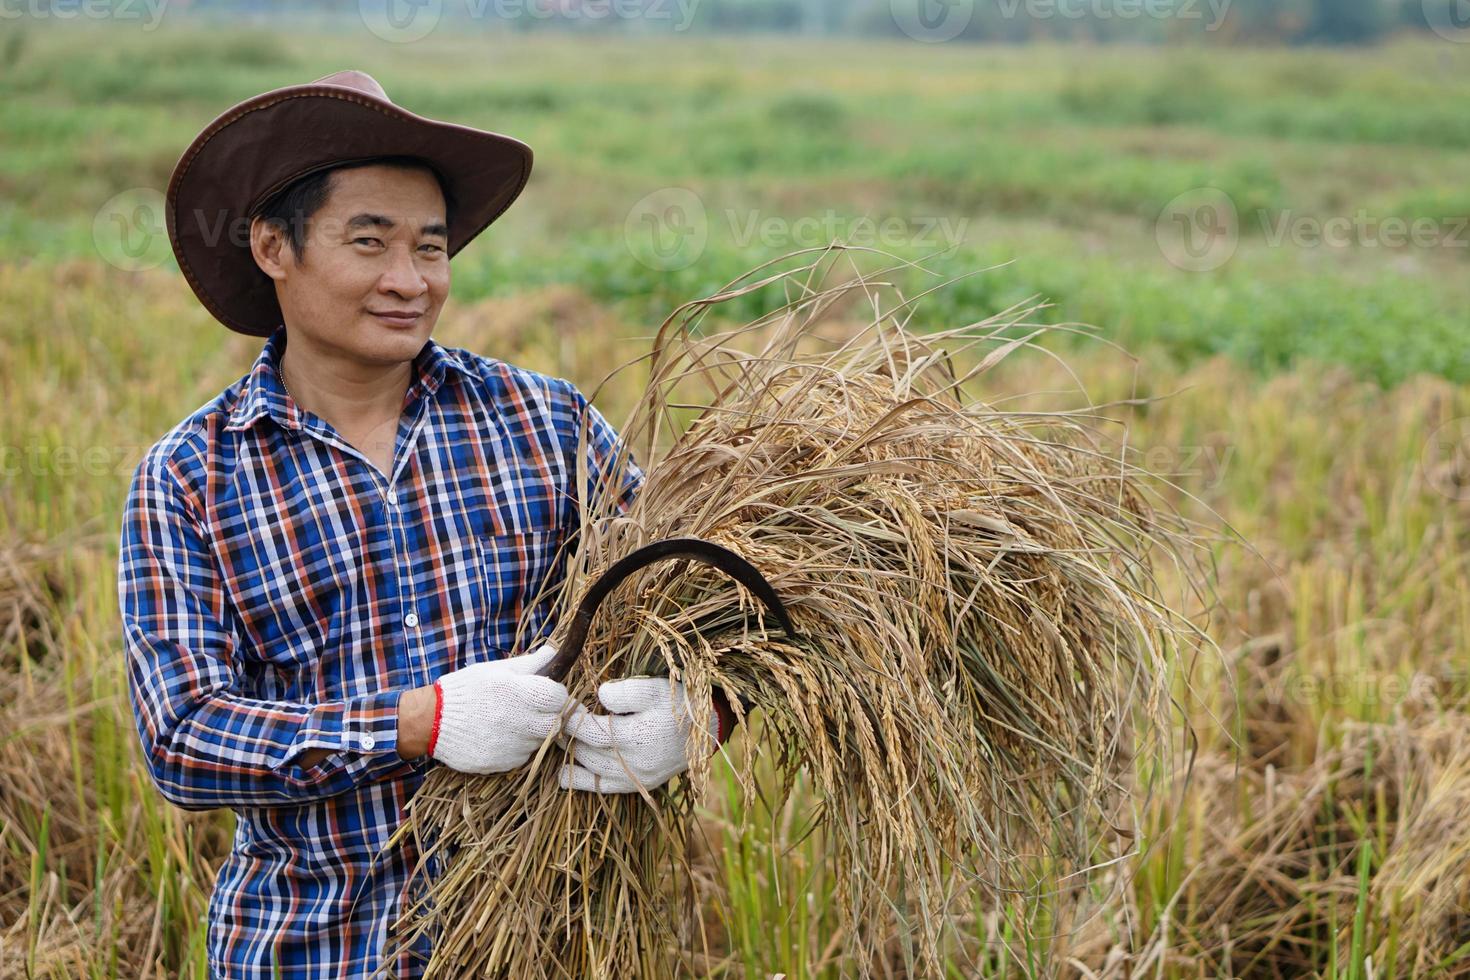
<point x="263" y="395"/>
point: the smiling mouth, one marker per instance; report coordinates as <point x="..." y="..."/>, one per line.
<point x="399" y="319"/>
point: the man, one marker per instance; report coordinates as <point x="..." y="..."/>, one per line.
<point x="327" y="572"/>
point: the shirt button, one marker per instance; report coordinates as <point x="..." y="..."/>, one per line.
<point x="393" y="496"/>
<point x="411" y="620"/>
<point x="368" y="742"/>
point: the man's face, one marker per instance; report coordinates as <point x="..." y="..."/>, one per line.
<point x="377" y="246"/>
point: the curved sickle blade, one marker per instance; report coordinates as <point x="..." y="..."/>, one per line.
<point x="720" y="557"/>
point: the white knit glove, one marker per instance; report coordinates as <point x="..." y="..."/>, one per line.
<point x="643" y="743"/>
<point x="491" y="717"/>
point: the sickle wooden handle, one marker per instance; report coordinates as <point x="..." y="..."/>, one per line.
<point x="720" y="557"/>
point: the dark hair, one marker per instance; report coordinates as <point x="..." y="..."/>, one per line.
<point x="293" y="205"/>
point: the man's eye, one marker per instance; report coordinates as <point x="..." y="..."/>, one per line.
<point x="434" y="247"/>
<point x="378" y="241"/>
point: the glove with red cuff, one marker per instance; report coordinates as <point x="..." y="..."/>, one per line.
<point x="493" y="716"/>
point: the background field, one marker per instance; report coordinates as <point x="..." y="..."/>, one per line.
<point x="1318" y="403"/>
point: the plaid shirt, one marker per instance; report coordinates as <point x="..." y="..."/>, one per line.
<point x="279" y="593"/>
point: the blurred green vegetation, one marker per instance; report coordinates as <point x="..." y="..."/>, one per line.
<point x="1054" y="162"/>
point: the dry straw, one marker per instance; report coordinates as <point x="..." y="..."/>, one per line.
<point x="981" y="687"/>
<point x="92" y="882"/>
<point x="1279" y="864"/>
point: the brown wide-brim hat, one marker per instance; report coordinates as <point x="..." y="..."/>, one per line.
<point x="263" y="144"/>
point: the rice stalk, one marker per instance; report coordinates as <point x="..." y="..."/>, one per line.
<point x="1364" y="852"/>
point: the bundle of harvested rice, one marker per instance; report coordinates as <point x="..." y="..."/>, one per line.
<point x="979" y="668"/>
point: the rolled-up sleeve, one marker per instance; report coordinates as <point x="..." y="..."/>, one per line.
<point x="205" y="744"/>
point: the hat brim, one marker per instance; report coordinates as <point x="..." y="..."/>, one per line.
<point x="264" y="143"/>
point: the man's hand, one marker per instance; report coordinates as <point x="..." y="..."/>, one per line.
<point x="642" y="744"/>
<point x="491" y="717"/>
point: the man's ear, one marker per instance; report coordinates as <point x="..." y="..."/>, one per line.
<point x="270" y="247"/>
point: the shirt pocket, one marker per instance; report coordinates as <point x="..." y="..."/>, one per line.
<point x="522" y="572"/>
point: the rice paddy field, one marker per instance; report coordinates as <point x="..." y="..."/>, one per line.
<point x="1273" y="246"/>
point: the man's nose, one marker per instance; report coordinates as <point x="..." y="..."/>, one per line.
<point x="402" y="275"/>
